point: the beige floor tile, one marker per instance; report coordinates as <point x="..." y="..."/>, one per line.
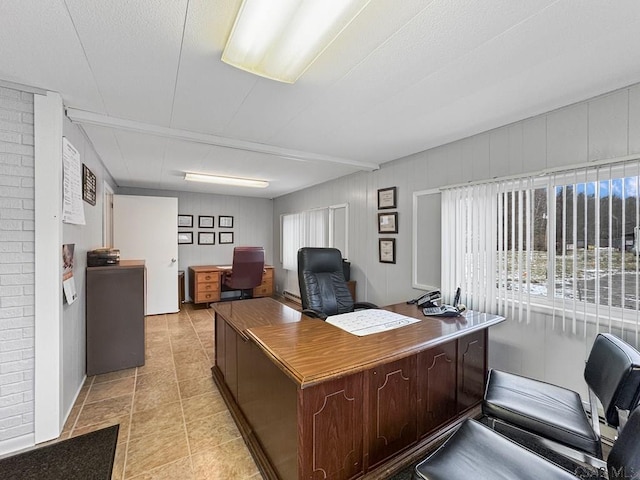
<point x="154" y="389"/>
<point x="193" y="370"/>
<point x="115" y="388"/>
<point x="229" y="461"/>
<point x="117" y="473"/>
<point x="196" y="386"/>
<point x="100" y="412"/>
<point x="155" y="323"/>
<point x="166" y="418"/>
<point x="71" y="419"/>
<point x="179" y="470"/>
<point x="192" y="356"/>
<point x="206" y="405"/>
<point x="157" y="361"/>
<point x="123" y="431"/>
<point x="153" y="451"/>
<point x="111" y="376"/>
<point x="209" y="432"/>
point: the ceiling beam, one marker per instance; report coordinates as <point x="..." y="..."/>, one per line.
<point x="83" y="117"/>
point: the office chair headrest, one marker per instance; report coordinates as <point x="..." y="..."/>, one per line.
<point x="320" y="260"/>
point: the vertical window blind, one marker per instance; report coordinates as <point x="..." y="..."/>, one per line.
<point x="567" y="240"/>
<point x="304" y="229"/>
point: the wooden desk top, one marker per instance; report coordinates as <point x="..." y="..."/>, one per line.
<point x="208" y="268"/>
<point x="310" y="350"/>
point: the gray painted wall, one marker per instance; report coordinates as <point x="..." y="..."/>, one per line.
<point x="85" y="237"/>
<point x="17" y="262"/>
<point x="604" y="127"/>
<point x="252" y="226"/>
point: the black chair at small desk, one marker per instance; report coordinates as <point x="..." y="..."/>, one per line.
<point x="323" y="288"/>
<point x="246" y="272"/>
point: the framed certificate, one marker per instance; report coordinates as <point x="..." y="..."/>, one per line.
<point x="388" y="222"/>
<point x="387" y="250"/>
<point x="225" y="221"/>
<point x="225" y="237"/>
<point x="185" y="237"/>
<point x="387" y="198"/>
<point x="205" y="221"/>
<point x="206" y="238"/>
<point x="185" y="221"/>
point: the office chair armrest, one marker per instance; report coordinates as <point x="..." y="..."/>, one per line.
<point x="364" y="306"/>
<point x="314" y="314"/>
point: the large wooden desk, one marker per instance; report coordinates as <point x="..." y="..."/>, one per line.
<point x="315" y="402"/>
<point x="205" y="282"/>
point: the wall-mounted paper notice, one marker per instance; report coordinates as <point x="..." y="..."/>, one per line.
<point x="68" y="283"/>
<point x="72" y="206"/>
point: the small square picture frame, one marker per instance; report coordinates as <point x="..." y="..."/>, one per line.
<point x="388" y="222"/>
<point x="387" y="198"/>
<point x="225" y="221"/>
<point x="185" y="221"/>
<point x="206" y="238"/>
<point x="387" y="250"/>
<point x="185" y="238"/>
<point x="225" y="237"/>
<point x="206" y="221"/>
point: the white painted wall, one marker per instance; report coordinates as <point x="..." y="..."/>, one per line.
<point x="604" y="127"/>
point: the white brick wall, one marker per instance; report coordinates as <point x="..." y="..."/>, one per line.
<point x="16" y="264"/>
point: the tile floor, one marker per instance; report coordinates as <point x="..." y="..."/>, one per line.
<point x="173" y="421"/>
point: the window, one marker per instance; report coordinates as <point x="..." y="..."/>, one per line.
<point x="566" y="239"/>
<point x="305" y="229"/>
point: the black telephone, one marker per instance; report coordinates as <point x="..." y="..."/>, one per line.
<point x="426" y="300"/>
<point x="444" y="310"/>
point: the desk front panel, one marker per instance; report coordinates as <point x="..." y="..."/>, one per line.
<point x="351" y="422"/>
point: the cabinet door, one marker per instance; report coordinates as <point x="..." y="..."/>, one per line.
<point x="331" y="433"/>
<point x="472" y="369"/>
<point x="392" y="408"/>
<point x="436" y="387"/>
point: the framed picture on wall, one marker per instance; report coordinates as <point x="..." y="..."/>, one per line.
<point x="225" y="221"/>
<point x="185" y="221"/>
<point x="387" y="250"/>
<point x="225" y="237"/>
<point x="206" y="238"/>
<point x="387" y="198"/>
<point x="388" y="222"/>
<point x="205" y="221"/>
<point x="185" y="237"/>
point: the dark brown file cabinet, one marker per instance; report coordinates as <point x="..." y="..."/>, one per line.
<point x="115" y="317"/>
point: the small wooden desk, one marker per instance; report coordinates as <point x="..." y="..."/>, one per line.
<point x="313" y="401"/>
<point x="205" y="283"/>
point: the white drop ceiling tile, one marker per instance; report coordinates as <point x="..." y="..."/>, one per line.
<point x="133" y="49"/>
<point x="208" y="91"/>
<point x="106" y="145"/>
<point x="40" y="48"/>
<point x="442" y="34"/>
<point x="271" y="106"/>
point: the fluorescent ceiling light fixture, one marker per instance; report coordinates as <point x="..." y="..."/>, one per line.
<point x="238" y="182"/>
<point x="280" y="39"/>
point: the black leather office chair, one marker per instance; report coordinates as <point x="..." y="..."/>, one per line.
<point x="475" y="451"/>
<point x="323" y="288"/>
<point x="246" y="271"/>
<point x="612" y="373"/>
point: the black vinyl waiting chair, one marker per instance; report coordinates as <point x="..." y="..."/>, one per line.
<point x="323" y="288"/>
<point x="475" y="451"/>
<point x="612" y="373"/>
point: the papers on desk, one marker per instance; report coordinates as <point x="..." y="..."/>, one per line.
<point x="366" y="322"/>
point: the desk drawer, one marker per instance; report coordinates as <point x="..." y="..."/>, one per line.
<point x="203" y="277"/>
<point x="202" y="297"/>
<point x="208" y="286"/>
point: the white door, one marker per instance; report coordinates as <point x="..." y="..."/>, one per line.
<point x="146" y="228"/>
